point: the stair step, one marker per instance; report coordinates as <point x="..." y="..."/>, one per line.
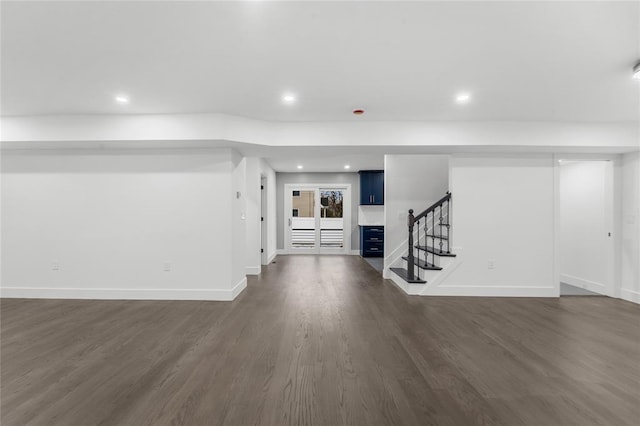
<point x="402" y="273"/>
<point x="437" y="252"/>
<point x="424" y="265"/>
<point x="440" y="237"/>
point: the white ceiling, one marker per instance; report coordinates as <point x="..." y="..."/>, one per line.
<point x="556" y="61"/>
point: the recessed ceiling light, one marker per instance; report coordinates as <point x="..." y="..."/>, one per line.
<point x="636" y="71"/>
<point x="299" y="166"/>
<point x="347" y="167"/>
<point x="288" y="98"/>
<point x="122" y="99"/>
<point x="463" y="98"/>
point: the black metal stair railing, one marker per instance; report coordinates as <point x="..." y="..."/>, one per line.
<point x="440" y="230"/>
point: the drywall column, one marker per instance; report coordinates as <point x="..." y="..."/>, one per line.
<point x="253" y="200"/>
<point x="152" y="224"/>
<point x="503" y="227"/>
<point x="630" y="262"/>
<point x="271" y="217"/>
<point x="238" y="244"/>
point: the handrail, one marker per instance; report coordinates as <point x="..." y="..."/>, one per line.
<point x="413" y="220"/>
<point x="433" y="207"/>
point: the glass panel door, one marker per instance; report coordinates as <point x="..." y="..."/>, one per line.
<point x="303" y="219"/>
<point x="331" y="218"/>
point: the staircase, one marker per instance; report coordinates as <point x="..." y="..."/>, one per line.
<point x="428" y="245"/>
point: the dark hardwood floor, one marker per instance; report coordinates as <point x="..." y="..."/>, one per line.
<point x="323" y="341"/>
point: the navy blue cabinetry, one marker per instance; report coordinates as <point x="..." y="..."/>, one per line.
<point x="372" y="187"/>
<point x="372" y="241"/>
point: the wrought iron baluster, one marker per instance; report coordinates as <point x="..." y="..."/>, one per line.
<point x="433" y="238"/>
<point x="418" y="234"/>
<point x="441" y="226"/>
<point x="449" y="226"/>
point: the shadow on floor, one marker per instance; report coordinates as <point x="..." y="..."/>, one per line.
<point x="376" y="262"/>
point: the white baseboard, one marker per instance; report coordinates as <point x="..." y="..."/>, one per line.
<point x="272" y="257"/>
<point x="583" y="283"/>
<point x="284" y="252"/>
<point x="253" y="270"/>
<point x="123" y="293"/>
<point x="237" y="289"/>
<point x="491" y="291"/>
<point x="630" y="295"/>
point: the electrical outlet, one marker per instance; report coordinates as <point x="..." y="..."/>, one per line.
<point x="55" y="266"/>
<point x="491" y="264"/>
<point x="167" y="267"/>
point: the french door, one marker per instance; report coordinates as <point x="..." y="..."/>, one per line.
<point x="317" y="219"/>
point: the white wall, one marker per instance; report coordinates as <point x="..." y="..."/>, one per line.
<point x="586" y="218"/>
<point x="630" y="253"/>
<point x="106" y="224"/>
<point x="503" y="211"/>
<point x="410" y="182"/>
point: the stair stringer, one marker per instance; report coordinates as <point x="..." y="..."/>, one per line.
<point x="432" y="287"/>
<point x="433" y="278"/>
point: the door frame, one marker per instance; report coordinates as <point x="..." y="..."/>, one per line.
<point x="346" y="217"/>
<point x="612" y="250"/>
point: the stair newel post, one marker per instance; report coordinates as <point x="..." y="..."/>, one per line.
<point x="410" y="259"/>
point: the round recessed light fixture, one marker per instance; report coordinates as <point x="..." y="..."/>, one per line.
<point x="358" y="111"/>
<point x="288" y="98"/>
<point x="636" y="71"/>
<point x="347" y="167"/>
<point x="299" y="166"/>
<point x="122" y="99"/>
<point x="463" y="98"/>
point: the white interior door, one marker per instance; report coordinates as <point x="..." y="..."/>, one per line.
<point x="586" y="225"/>
<point x="317" y="219"/>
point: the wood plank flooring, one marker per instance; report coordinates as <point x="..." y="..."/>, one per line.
<point x="321" y="340"/>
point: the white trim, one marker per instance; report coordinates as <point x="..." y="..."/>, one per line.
<point x="281" y="252"/>
<point x="253" y="270"/>
<point x="630" y="295"/>
<point x="272" y="257"/>
<point x="238" y="288"/>
<point x="123" y="293"/>
<point x="355" y="253"/>
<point x="493" y="291"/>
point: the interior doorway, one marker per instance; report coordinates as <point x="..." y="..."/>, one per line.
<point x="586" y="226"/>
<point x="318" y="219"/>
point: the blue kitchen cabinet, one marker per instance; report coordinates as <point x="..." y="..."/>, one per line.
<point x="372" y="241"/>
<point x="371" y="187"/>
